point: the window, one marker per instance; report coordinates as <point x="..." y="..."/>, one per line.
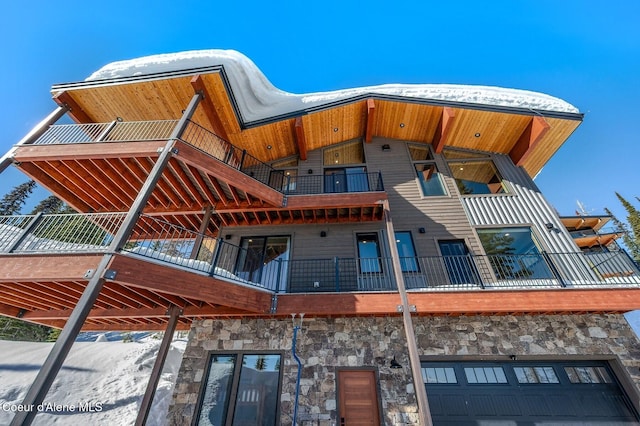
<point x="346" y="179"/>
<point x="588" y="375"/>
<point x="369" y="253"/>
<point x="406" y="252"/>
<point x="513" y="253"/>
<point x="284" y="175"/>
<point x="439" y="375"/>
<point x="264" y="260"/>
<point x="534" y="375"/>
<point x="426" y="170"/>
<point x="241" y="387"/>
<point x="485" y="375"/>
<point x="474" y="173"/>
<point x="346" y="153"/>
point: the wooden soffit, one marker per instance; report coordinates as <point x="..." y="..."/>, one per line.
<point x="473" y="126"/>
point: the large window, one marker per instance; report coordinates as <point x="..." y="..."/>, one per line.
<point x="513" y="253"/>
<point x="264" y="260"/>
<point x="242" y="389"/>
<point x="474" y="173"/>
<point x="345" y="169"/>
<point x="426" y="170"/>
<point x="369" y="253"/>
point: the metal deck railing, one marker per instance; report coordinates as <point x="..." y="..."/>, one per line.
<point x="157" y="240"/>
<point x="214" y="146"/>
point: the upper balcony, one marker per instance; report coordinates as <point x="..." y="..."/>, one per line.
<point x="47" y="259"/>
<point x="101" y="167"/>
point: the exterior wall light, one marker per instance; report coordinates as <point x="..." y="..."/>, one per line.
<point x="395" y="364"/>
<point x="386" y="147"/>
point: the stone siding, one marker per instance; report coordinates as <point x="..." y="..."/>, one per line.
<point x="327" y="344"/>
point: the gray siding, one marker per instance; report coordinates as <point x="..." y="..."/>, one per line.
<point x="443" y="217"/>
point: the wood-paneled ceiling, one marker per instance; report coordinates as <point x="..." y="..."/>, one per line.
<point x="529" y="137"/>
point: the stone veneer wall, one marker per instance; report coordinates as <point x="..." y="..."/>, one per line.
<point x="327" y="343"/>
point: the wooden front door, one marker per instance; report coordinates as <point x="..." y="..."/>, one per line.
<point x="358" y="394"/>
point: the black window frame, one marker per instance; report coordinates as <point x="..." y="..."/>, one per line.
<point x="234" y="385"/>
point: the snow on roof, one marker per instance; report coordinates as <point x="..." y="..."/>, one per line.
<point x="258" y="99"/>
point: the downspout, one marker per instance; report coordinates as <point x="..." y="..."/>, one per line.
<point x="295" y="356"/>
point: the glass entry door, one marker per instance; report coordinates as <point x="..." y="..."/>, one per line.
<point x="264" y="260"/>
<point x="458" y="263"/>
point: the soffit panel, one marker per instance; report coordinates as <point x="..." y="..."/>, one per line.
<point x="420" y="121"/>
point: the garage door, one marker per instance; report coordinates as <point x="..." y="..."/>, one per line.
<point x="519" y="393"/>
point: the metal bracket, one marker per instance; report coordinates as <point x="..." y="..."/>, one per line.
<point x="412" y="308"/>
<point x="110" y="274"/>
<point x="89" y="273"/>
<point x="174" y="150"/>
<point x="274" y="303"/>
<point x="284" y="201"/>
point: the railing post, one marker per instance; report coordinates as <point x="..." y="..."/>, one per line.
<point x="286" y="188"/>
<point x="380" y="183"/>
<point x="278" y="275"/>
<point x="32" y="223"/>
<point x="244" y="153"/>
<point x="216" y="255"/>
<point x="106" y="131"/>
<point x="553" y="268"/>
<point x="337" y="272"/>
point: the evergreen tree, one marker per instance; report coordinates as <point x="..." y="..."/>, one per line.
<point x="630" y="229"/>
<point x="50" y="205"/>
<point x="13" y="201"/>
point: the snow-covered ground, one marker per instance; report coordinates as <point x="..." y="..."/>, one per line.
<point x="100" y="383"/>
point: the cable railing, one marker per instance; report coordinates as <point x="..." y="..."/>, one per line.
<point x="158" y="240"/>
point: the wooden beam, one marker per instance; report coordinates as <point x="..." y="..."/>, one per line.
<point x="227" y="174"/>
<point x="209" y="108"/>
<point x="343" y="200"/>
<point x="78" y="115"/>
<point x="81" y="151"/>
<point x="440" y="139"/>
<point x="560" y="300"/>
<point x="46" y="267"/>
<point x="532" y="135"/>
<point x="170" y="280"/>
<point x="371" y="120"/>
<point x="300" y="138"/>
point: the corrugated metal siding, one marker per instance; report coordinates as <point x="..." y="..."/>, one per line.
<point x="523" y="205"/>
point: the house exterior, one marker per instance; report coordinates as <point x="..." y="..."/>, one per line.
<point x="369" y="256"/>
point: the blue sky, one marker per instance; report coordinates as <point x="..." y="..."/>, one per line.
<point x="584" y="52"/>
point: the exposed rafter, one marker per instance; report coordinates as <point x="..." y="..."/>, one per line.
<point x="531" y="136"/>
<point x="209" y="108"/>
<point x="444" y="128"/>
<point x="300" y="139"/>
<point x="371" y="120"/>
<point x="75" y="111"/>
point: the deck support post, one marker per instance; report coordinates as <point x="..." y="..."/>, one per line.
<point x="47" y="374"/>
<point x="414" y="358"/>
<point x="147" y="399"/>
<point x="7" y="159"/>
<point x="208" y="212"/>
